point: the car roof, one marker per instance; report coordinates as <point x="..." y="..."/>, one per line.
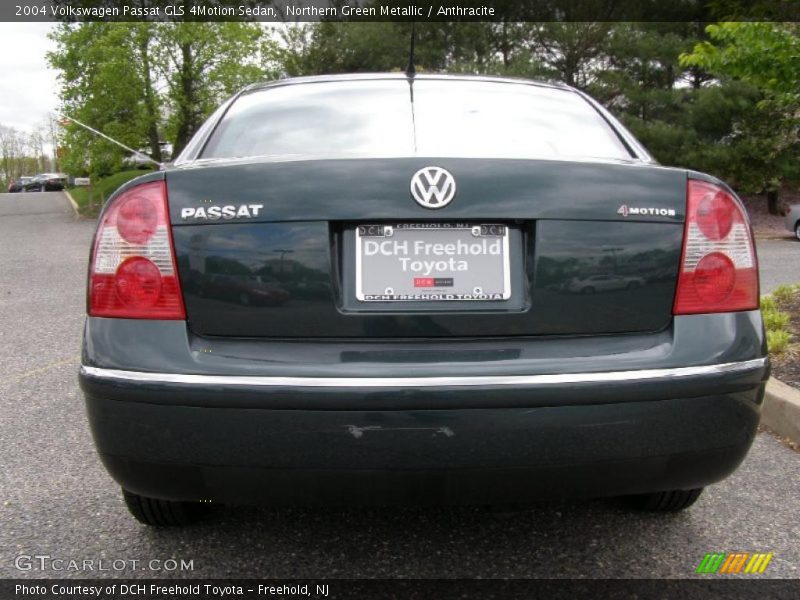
<point x="403" y="77"/>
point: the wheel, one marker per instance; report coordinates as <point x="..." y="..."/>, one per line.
<point x="797" y="231"/>
<point x="162" y="513"/>
<point x="671" y="501"/>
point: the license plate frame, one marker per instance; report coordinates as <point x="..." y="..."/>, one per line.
<point x="487" y="236"/>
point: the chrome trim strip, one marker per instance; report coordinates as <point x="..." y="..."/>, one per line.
<point x="412" y="382"/>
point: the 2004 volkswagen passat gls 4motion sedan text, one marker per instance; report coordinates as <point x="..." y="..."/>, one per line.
<point x="394" y="289"/>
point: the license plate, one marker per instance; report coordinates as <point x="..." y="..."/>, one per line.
<point x="432" y="262"/>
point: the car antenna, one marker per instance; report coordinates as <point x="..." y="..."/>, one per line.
<point x="110" y="139"/>
<point x="411" y="70"/>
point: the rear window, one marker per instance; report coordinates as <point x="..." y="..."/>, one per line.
<point x="446" y="119"/>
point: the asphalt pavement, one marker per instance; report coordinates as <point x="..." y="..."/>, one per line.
<point x="779" y="262"/>
<point x="56" y="500"/>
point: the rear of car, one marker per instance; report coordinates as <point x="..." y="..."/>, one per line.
<point x="431" y="289"/>
<point x="35" y="184"/>
<point x="18" y="185"/>
<point x="46" y="182"/>
<point x="53" y="182"/>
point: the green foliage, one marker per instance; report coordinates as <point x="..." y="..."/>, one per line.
<point x="336" y="47"/>
<point x="785" y="292"/>
<point x="765" y="55"/>
<point x="102" y="87"/>
<point x="778" y="341"/>
<point x="777" y="322"/>
<point x="203" y="63"/>
<point x="143" y="83"/>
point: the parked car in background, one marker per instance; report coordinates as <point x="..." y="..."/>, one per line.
<point x="448" y="359"/>
<point x="47" y="182"/>
<point x="792" y="220"/>
<point x="19" y="184"/>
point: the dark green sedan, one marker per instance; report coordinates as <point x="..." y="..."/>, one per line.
<point x="433" y="289"/>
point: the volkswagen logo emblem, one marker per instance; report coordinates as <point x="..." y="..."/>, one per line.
<point x="433" y="187"/>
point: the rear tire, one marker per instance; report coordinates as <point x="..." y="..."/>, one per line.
<point x="670" y="501"/>
<point x="797" y="231"/>
<point x="162" y="513"/>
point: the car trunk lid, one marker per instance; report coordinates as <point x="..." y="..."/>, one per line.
<point x="594" y="246"/>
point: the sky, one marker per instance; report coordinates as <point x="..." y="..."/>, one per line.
<point x="28" y="87"/>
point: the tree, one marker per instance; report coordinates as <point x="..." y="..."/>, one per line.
<point x="143" y="83"/>
<point x="203" y="63"/>
<point x="766" y="56"/>
<point x="21" y="153"/>
<point x="105" y="84"/>
<point x="568" y="51"/>
<point x="338" y="47"/>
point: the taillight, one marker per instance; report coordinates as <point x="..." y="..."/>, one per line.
<point x="718" y="265"/>
<point x="133" y="273"/>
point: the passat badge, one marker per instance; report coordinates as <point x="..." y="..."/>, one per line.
<point x="433" y="187"/>
<point x="227" y="211"/>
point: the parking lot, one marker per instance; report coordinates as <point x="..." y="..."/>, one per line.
<point x="58" y="501"/>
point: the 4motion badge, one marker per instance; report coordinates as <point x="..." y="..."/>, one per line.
<point x="626" y="210"/>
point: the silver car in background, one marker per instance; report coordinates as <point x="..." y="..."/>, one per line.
<point x="792" y="220"/>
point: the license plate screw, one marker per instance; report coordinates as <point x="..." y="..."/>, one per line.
<point x="389" y="291"/>
<point x="388" y="231"/>
<point x="477" y="290"/>
<point x="476" y="231"/>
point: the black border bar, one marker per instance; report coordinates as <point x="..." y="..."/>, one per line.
<point x="398" y="10"/>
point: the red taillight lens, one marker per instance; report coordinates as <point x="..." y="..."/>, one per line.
<point x="715" y="215"/>
<point x="137" y="219"/>
<point x="133" y="273"/>
<point x="714" y="277"/>
<point x="718" y="265"/>
<point x="138" y="282"/>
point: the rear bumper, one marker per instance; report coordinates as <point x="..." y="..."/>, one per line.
<point x="238" y="442"/>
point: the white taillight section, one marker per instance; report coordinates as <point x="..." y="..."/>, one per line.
<point x="133" y="273"/>
<point x="718" y="264"/>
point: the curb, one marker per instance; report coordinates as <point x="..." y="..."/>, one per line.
<point x="72" y="202"/>
<point x="781" y="409"/>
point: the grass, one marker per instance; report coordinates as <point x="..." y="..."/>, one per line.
<point x="778" y="341"/>
<point x="784" y="292"/>
<point x="89" y="204"/>
<point x="776" y="321"/>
